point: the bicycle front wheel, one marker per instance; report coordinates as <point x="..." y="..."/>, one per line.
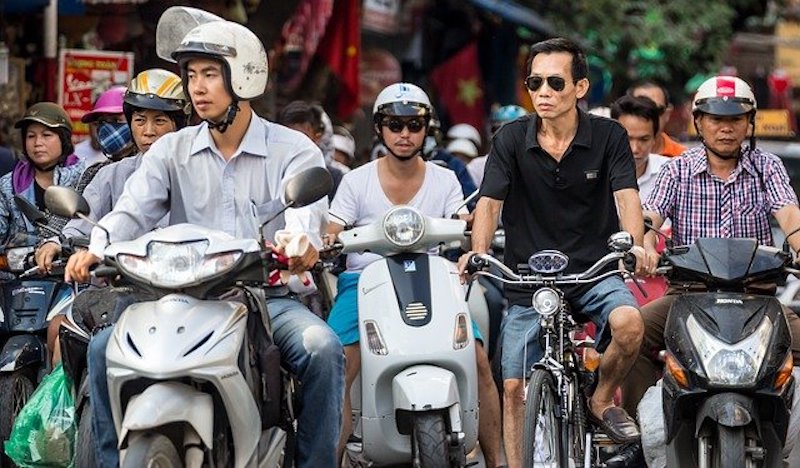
<point x="542" y="432"/>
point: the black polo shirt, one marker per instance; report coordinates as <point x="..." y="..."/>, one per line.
<point x="566" y="205"/>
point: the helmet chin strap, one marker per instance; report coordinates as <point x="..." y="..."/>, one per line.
<point x="230" y="115"/>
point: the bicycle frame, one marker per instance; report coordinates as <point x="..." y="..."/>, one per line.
<point x="560" y="358"/>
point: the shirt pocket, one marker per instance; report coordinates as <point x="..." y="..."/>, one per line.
<point x="263" y="212"/>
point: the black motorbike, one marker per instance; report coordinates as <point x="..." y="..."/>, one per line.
<point x="728" y="385"/>
<point x="27" y="301"/>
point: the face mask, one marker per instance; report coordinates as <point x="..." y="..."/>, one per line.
<point x="114" y="137"/>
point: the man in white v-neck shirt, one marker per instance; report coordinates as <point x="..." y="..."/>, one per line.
<point x="401" y="116"/>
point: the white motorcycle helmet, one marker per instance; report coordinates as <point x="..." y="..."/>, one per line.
<point x="238" y="48"/>
<point x="724" y="96"/>
<point x="402" y="100"/>
<point x="464" y="131"/>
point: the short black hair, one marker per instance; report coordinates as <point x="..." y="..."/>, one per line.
<point x="302" y="112"/>
<point x="579" y="70"/>
<point x="641" y="106"/>
<point x="650" y="84"/>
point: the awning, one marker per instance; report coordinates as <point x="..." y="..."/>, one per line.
<point x="517" y="13"/>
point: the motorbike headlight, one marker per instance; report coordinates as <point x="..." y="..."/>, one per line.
<point x="730" y="364"/>
<point x="546" y="301"/>
<point x="403" y="226"/>
<point x="172" y="265"/>
<point x="16" y="258"/>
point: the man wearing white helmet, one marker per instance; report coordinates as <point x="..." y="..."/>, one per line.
<point x="344" y="147"/>
<point x="222" y="174"/>
<point x="723" y="188"/>
<point x="401" y="116"/>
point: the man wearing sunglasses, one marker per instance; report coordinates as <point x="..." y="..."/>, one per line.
<point x="401" y="114"/>
<point x="563" y="180"/>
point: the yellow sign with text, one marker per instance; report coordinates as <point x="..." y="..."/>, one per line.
<point x="770" y="123"/>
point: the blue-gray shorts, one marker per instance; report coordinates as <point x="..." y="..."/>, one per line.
<point x="521" y="325"/>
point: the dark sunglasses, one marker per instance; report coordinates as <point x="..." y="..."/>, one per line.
<point x="396" y="125"/>
<point x="556" y="83"/>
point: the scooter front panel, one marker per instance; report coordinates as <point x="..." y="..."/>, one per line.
<point x="431" y="344"/>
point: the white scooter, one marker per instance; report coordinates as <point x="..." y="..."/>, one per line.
<point x="419" y="392"/>
<point x="184" y="389"/>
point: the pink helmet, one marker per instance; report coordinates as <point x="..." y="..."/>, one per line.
<point x="109" y="102"/>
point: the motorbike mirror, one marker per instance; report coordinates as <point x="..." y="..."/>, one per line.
<point x="33" y="214"/>
<point x="620" y="241"/>
<point x="465" y="203"/>
<point x="307" y="187"/>
<point x="648" y="226"/>
<point x="786" y="240"/>
<point x="65" y="201"/>
<point x="29" y="210"/>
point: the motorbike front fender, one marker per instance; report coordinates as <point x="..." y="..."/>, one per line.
<point x="424" y="388"/>
<point x="21" y="351"/>
<point x="169" y="402"/>
<point x="726" y="409"/>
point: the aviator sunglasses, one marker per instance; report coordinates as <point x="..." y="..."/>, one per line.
<point x="556" y="83"/>
<point x="396" y="125"/>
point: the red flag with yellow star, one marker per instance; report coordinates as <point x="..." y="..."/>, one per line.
<point x="460" y="87"/>
<point x="340" y="49"/>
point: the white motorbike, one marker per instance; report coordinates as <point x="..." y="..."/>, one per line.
<point x="183" y="371"/>
<point x="419" y="395"/>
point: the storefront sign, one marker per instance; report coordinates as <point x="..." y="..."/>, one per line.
<point x="83" y="75"/>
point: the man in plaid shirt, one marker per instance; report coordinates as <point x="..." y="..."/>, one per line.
<point x="720" y="189"/>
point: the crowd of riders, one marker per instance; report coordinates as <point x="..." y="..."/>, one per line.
<point x="187" y="147"/>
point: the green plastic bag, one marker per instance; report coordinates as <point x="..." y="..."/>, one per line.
<point x="44" y="430"/>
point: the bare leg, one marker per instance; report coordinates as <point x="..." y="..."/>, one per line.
<point x="513" y="420"/>
<point x="352" y="355"/>
<point x="627" y="330"/>
<point x="489" y="410"/>
<point x="53" y="343"/>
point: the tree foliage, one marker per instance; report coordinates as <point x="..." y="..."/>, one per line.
<point x="666" y="40"/>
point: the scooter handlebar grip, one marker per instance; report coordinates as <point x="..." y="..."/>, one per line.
<point x="476" y="263"/>
<point x="629" y="262"/>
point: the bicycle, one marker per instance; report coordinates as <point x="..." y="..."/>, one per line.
<point x="557" y="432"/>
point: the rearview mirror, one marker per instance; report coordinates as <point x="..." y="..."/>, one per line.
<point x="307" y="187"/>
<point x="30" y="211"/>
<point x="65" y="201"/>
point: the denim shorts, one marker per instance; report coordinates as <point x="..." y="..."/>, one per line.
<point x="343" y="318"/>
<point x="521" y="325"/>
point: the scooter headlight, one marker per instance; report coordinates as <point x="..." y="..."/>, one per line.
<point x="546" y="301"/>
<point x="403" y="226"/>
<point x="172" y="265"/>
<point x="730" y="364"/>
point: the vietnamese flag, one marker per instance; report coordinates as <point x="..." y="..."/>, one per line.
<point x="340" y="49"/>
<point x="458" y="82"/>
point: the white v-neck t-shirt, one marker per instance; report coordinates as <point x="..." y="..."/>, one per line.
<point x="360" y="200"/>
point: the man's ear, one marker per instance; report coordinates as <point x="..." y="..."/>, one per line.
<point x="668" y="112"/>
<point x="582" y="87"/>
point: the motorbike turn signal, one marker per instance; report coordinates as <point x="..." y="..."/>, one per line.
<point x="676" y="371"/>
<point x="785" y="372"/>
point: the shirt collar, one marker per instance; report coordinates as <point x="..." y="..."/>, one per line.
<point x="583" y="137"/>
<point x="252" y="143"/>
<point x="700" y="161"/>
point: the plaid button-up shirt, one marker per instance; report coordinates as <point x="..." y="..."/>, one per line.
<point x="701" y="204"/>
